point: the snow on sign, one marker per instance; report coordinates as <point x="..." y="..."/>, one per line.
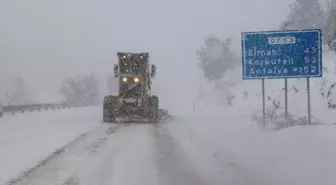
<point x="282" y="54"/>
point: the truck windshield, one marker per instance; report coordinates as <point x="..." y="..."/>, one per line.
<point x="136" y="67"/>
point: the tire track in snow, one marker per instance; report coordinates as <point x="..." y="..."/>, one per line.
<point x="218" y="163"/>
<point x="173" y="164"/>
<point x="126" y="159"/>
<point x="72" y="180"/>
<point x="49" y="166"/>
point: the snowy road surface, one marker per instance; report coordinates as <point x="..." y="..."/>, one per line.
<point x="125" y="154"/>
<point x="120" y="155"/>
<point x="72" y="147"/>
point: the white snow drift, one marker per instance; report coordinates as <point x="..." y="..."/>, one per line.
<point x="27" y="139"/>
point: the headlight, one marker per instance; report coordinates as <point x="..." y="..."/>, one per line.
<point x="124" y="56"/>
<point x="136" y="79"/>
<point x="124" y="79"/>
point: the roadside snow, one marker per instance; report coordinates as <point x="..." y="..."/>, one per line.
<point x="26" y="139"/>
<point x="230" y="147"/>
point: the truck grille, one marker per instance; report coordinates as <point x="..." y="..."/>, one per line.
<point x="131" y="101"/>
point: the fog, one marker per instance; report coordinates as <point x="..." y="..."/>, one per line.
<point x="44" y="41"/>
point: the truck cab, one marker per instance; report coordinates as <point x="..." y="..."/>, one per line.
<point x="132" y="70"/>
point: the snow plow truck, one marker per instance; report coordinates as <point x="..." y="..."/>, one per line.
<point x="134" y="101"/>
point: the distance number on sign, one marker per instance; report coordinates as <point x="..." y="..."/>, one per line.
<point x="306" y="69"/>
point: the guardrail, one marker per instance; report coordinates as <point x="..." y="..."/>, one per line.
<point x="31" y="107"/>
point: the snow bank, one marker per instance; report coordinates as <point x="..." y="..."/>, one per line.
<point x="26" y="139"/>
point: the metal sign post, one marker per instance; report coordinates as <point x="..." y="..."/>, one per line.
<point x="263" y="102"/>
<point x="286" y="99"/>
<point x="308" y="100"/>
<point x="282" y="54"/>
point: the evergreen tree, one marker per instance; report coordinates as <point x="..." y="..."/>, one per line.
<point x="330" y="28"/>
<point x="305" y="14"/>
<point x="215" y="58"/>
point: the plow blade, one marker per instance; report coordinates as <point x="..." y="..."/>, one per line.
<point x="162" y="115"/>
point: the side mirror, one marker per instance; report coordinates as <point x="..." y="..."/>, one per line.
<point x="153" y="70"/>
<point x="116" y="72"/>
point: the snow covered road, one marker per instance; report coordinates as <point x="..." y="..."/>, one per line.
<point x="121" y="154"/>
<point x="125" y="154"/>
<point x="72" y="147"/>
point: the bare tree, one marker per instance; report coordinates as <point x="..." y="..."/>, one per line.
<point x="81" y="90"/>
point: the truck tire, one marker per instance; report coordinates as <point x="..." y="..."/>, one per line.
<point x="109" y="103"/>
<point x="154" y="109"/>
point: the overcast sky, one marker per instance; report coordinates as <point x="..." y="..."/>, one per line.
<point x="45" y="40"/>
